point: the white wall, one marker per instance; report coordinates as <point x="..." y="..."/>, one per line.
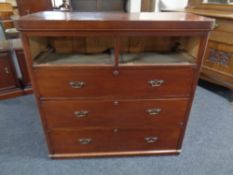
<point x="134" y="6"/>
<point x="57" y="3"/>
<point x="171" y="4"/>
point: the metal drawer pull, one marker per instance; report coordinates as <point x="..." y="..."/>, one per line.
<point x="156" y="83"/>
<point x="115" y="130"/>
<point x="81" y="114"/>
<point x="154" y="111"/>
<point x="85" y="141"/>
<point x="77" y="84"/>
<point x="216" y="25"/>
<point x="6" y="70"/>
<point x="151" y="139"/>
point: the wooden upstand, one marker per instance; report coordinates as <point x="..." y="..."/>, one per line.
<point x="110" y="84"/>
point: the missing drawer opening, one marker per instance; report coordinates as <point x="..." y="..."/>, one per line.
<point x="110" y="51"/>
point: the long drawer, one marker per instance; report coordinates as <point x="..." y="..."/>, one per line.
<point x="110" y="140"/>
<point x="114" y="113"/>
<point x="161" y="82"/>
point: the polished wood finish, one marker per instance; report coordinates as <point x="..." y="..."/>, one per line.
<point x="26" y="7"/>
<point x="177" y="83"/>
<point x="113" y="109"/>
<point x="114" y="113"/>
<point x="118" y="140"/>
<point x="138" y="22"/>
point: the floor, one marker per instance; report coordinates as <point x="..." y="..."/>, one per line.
<point x="2" y="34"/>
<point x="207" y="148"/>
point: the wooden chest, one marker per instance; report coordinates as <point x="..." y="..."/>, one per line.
<point x="218" y="62"/>
<point x="111" y="84"/>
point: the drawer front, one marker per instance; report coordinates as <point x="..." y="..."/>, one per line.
<point x="111" y="140"/>
<point x="167" y="82"/>
<point x="222" y="37"/>
<point x="7" y="73"/>
<point x="118" y="113"/>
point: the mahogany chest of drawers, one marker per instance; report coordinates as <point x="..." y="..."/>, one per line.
<point x="110" y="84"/>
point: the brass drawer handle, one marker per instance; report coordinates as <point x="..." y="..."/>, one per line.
<point x="216" y="25"/>
<point x="115" y="130"/>
<point x="154" y="111"/>
<point x="151" y="139"/>
<point x="156" y="83"/>
<point x="28" y="11"/>
<point x="81" y="114"/>
<point x="6" y="70"/>
<point x="85" y="141"/>
<point x="77" y="84"/>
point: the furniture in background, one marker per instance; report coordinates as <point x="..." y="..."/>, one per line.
<point x="111" y="5"/>
<point x="148" y="5"/>
<point x="218" y="63"/>
<point x="12" y="58"/>
<point x="98" y="5"/>
<point x="9" y="83"/>
<point x="111" y="84"/>
<point x="10" y="80"/>
<point x="6" y="12"/>
<point x="26" y="7"/>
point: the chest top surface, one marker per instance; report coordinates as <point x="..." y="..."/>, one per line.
<point x="54" y="20"/>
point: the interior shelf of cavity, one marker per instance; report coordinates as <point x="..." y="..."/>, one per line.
<point x="105" y="58"/>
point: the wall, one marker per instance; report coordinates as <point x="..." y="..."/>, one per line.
<point x="135" y="5"/>
<point x="57" y="3"/>
<point x="172" y="4"/>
